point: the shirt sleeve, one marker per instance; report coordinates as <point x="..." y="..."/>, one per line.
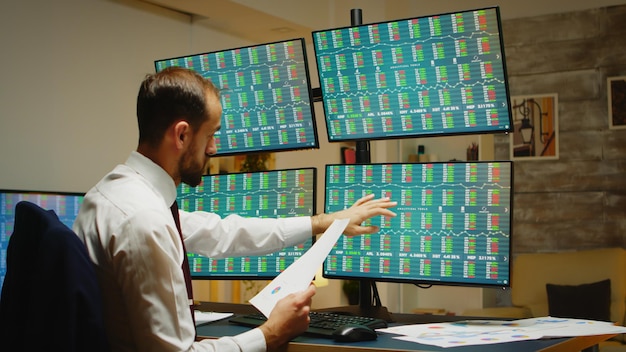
<point x="209" y="235"/>
<point x="250" y="341"/>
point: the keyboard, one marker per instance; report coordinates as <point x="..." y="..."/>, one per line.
<point x="322" y="324"/>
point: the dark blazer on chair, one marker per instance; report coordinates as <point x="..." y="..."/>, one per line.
<point x="50" y="298"/>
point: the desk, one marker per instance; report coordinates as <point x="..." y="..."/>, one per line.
<point x="385" y="341"/>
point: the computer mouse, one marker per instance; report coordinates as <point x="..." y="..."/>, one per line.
<point x="354" y="333"/>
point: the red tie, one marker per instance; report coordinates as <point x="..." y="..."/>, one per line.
<point x="185" y="265"/>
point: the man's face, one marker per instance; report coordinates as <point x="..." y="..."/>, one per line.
<point x="193" y="162"/>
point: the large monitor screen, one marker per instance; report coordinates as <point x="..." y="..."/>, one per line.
<point x="265" y="94"/>
<point x="264" y="194"/>
<point x="65" y="205"/>
<point x="453" y="223"/>
<point x="425" y="76"/>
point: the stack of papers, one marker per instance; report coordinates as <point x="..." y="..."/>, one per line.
<point x="482" y="332"/>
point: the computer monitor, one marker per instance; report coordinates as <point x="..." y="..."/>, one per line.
<point x="426" y="76"/>
<point x="263" y="194"/>
<point x="265" y="94"/>
<point x="453" y="223"/>
<point x="65" y="205"/>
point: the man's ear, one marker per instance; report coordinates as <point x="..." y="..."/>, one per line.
<point x="181" y="131"/>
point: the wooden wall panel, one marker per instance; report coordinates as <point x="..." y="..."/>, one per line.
<point x="582" y="115"/>
<point x="579" y="200"/>
<point x="554" y="28"/>
<point x="581" y="145"/>
<point x="614" y="145"/>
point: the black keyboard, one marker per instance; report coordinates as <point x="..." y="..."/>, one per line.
<point x="322" y="323"/>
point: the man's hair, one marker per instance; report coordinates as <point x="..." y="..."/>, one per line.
<point x="170" y="95"/>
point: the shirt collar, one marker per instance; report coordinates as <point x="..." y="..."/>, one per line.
<point x="155" y="174"/>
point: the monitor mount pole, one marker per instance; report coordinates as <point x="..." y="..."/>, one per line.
<point x="362" y="147"/>
<point x="363" y="156"/>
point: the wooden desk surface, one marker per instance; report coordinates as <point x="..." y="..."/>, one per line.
<point x="385" y="342"/>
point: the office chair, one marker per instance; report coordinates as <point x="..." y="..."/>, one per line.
<point x="50" y="297"/>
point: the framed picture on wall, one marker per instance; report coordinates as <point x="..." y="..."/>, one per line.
<point x="536" y="127"/>
<point x="617" y="102"/>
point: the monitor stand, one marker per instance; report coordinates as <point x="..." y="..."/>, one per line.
<point x="365" y="308"/>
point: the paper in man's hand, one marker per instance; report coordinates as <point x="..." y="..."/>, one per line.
<point x="298" y="276"/>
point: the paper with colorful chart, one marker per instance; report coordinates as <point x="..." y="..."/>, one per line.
<point x="298" y="276"/>
<point x="483" y="332"/>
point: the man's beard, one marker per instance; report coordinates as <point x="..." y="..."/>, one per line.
<point x="191" y="171"/>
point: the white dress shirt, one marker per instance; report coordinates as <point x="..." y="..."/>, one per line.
<point x="130" y="234"/>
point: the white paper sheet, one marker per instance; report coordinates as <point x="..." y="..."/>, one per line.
<point x="208" y="317"/>
<point x="298" y="276"/>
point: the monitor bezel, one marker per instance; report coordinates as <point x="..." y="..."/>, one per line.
<point x="260" y="277"/>
<point x="4" y="192"/>
<point x="38" y="192"/>
<point x="344" y="139"/>
<point x="29" y="191"/>
<point x="428" y="283"/>
<point x="310" y="94"/>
